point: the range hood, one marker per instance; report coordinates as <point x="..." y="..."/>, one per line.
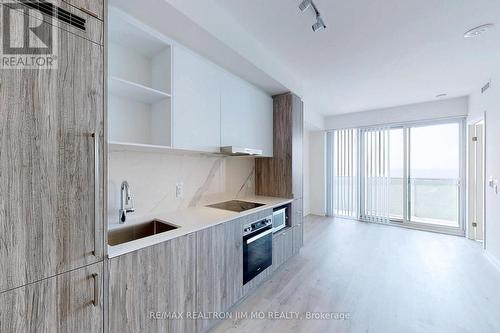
<point x="238" y="151"/>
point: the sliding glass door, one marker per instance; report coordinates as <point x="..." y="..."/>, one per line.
<point x="434" y="174"/>
<point x="407" y="174"/>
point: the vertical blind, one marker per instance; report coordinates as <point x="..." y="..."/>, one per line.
<point x="344" y="173"/>
<point x="375" y="178"/>
<point x="359" y="174"/>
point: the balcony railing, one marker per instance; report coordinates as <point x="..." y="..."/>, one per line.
<point x="433" y="201"/>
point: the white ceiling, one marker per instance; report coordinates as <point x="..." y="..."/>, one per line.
<point x="378" y="53"/>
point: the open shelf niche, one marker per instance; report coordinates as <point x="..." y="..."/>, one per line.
<point x="139" y="83"/>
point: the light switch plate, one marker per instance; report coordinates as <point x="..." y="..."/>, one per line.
<point x="179" y="190"/>
<point x="493" y="183"/>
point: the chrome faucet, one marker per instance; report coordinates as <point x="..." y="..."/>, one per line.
<point x="126" y="204"/>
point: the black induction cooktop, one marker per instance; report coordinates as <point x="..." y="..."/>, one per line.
<point x="236" y="205"/>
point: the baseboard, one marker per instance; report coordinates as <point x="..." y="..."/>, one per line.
<point x="316" y="214"/>
<point x="495" y="262"/>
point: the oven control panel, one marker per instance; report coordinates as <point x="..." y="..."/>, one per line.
<point x="254" y="226"/>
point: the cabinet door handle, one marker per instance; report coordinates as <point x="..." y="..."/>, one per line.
<point x="96" y="189"/>
<point x="95" y="301"/>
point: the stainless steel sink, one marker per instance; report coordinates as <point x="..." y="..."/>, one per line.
<point x="137" y="231"/>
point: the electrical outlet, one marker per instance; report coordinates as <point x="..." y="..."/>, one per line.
<point x="179" y="190"/>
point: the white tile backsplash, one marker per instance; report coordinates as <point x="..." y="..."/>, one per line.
<point x="153" y="177"/>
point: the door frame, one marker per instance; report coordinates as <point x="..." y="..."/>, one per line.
<point x="471" y="122"/>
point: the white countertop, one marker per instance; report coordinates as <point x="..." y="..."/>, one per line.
<point x="188" y="220"/>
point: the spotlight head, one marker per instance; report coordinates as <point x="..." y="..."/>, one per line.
<point x="304" y="5"/>
<point x="319" y="24"/>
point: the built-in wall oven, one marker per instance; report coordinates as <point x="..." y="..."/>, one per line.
<point x="257" y="247"/>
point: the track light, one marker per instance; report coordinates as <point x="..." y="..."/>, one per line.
<point x="319" y="21"/>
<point x="304" y="5"/>
<point x="319" y="24"/>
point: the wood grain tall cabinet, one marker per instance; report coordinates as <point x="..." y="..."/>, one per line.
<point x="282" y="175"/>
<point x="51" y="162"/>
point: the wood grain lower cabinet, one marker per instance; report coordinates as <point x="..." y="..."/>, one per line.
<point x="219" y="269"/>
<point x="149" y="285"/>
<point x="200" y="273"/>
<point x="282" y="247"/>
<point x="298" y="225"/>
<point x="70" y="302"/>
<point x="298" y="237"/>
<point x="297" y="212"/>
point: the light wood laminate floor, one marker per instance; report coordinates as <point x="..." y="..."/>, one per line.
<point x="388" y="279"/>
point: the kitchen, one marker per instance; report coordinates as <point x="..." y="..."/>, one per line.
<point x="172" y="199"/>
<point x="206" y="191"/>
<point x="249" y="166"/>
<point x="190" y="172"/>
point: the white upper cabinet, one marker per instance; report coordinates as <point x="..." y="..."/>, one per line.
<point x="213" y="108"/>
<point x="196" y="102"/>
<point x="139" y="83"/>
<point x="163" y="96"/>
<point x="246" y="115"/>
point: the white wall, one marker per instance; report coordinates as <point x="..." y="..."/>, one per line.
<point x="313" y="120"/>
<point x="317" y="172"/>
<point x="455" y="107"/>
<point x="314" y="160"/>
<point x="489" y="103"/>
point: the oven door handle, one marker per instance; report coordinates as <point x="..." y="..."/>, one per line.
<point x="254" y="238"/>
